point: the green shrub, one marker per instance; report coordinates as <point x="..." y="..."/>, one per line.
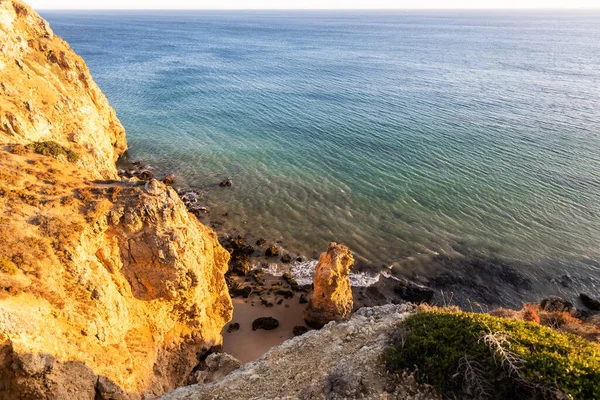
<point x="50" y="148"/>
<point x="477" y="355"/>
<point x="7" y="266"/>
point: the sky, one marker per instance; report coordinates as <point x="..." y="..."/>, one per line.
<point x="311" y="4"/>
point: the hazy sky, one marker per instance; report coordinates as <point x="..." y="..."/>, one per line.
<point x="308" y="4"/>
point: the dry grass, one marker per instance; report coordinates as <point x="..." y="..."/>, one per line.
<point x="584" y="326"/>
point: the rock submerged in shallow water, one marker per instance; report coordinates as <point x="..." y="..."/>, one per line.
<point x="266" y="323"/>
<point x="272" y="251"/>
<point x="332" y="297"/>
<point x="169" y="180"/>
<point x="261" y="242"/>
<point x="589" y="302"/>
<point x="226" y="183"/>
<point x="414" y="293"/>
<point x="286" y="259"/>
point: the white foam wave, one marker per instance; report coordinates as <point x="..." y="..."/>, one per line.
<point x="304" y="271"/>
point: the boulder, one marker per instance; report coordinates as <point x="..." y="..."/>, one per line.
<point x="240" y="264"/>
<point x="266" y="323"/>
<point x="218" y="365"/>
<point x="272" y="251"/>
<point x="287" y="294"/>
<point x="589" y="302"/>
<point x="332" y="297"/>
<point x="414" y="293"/>
<point x="169" y="180"/>
<point x="233" y="327"/>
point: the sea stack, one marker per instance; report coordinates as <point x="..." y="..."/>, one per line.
<point x="332" y="297"/>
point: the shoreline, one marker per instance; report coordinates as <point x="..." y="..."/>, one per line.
<point x="485" y="280"/>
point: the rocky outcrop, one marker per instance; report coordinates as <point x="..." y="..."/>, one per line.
<point x="332" y="297"/>
<point x="47" y="93"/>
<point x="340" y="361"/>
<point x="108" y="289"/>
<point x="120" y="283"/>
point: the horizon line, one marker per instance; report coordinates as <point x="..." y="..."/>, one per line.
<point x="330" y="9"/>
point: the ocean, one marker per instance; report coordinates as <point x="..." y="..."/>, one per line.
<point x="431" y="143"/>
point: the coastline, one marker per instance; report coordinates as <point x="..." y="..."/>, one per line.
<point x="466" y="278"/>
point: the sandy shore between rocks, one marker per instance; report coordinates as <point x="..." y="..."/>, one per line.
<point x="247" y="345"/>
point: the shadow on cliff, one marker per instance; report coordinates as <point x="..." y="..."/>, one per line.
<point x="37" y="376"/>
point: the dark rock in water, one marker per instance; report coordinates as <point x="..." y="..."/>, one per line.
<point x="226" y="183"/>
<point x="261" y="242"/>
<point x="266" y="323"/>
<point x="240" y="255"/>
<point x="307" y="288"/>
<point x="272" y="251"/>
<point x="288" y="294"/>
<point x="555" y="303"/>
<point x="239" y="245"/>
<point x="414" y="293"/>
<point x="280" y="301"/>
<point x="286" y="258"/>
<point x="300" y="259"/>
<point x="240" y="264"/>
<point x="233" y="327"/>
<point x="137" y="163"/>
<point x="303" y="299"/>
<point x="589" y="302"/>
<point x="145" y="175"/>
<point x="169" y="180"/>
<point x="300" y="330"/>
<point x="287" y="276"/>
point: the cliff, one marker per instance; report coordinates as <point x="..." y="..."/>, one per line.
<point x="47" y="93"/>
<point x="108" y="289"/>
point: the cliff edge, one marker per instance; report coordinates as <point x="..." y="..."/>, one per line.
<point x="47" y="93"/>
<point x="109" y="289"/>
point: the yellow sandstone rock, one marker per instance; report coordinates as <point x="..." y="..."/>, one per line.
<point x="332" y="297"/>
<point x="47" y="93"/>
<point x="108" y="289"/>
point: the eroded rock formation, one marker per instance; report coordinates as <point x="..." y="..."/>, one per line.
<point x="108" y="289"/>
<point x="47" y="93"/>
<point x="332" y="297"/>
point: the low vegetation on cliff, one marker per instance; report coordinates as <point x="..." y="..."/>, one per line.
<point x="481" y="356"/>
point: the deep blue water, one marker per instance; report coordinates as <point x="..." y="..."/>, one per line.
<point x="403" y="135"/>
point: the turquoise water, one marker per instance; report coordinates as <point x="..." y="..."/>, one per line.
<point x="405" y="136"/>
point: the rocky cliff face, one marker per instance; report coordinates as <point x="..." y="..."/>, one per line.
<point x="340" y="361"/>
<point x="47" y="93"/>
<point x="332" y="297"/>
<point x="108" y="289"/>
